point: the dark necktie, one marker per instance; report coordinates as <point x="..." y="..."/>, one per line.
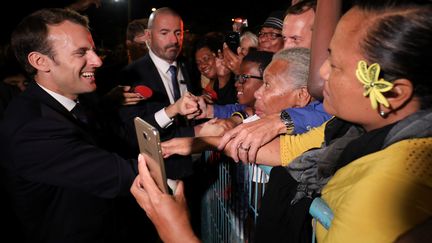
<point x="79" y="113"/>
<point x="173" y="71"/>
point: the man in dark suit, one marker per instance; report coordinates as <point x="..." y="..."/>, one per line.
<point x="167" y="77"/>
<point x="61" y="181"/>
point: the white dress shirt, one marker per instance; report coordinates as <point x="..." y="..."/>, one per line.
<point x="66" y="102"/>
<point x="163" y="66"/>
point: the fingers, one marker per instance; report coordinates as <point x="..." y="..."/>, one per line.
<point x="179" y="192"/>
<point x="233" y="133"/>
<point x="141" y="195"/>
<point x="212" y="121"/>
<point x="131" y="98"/>
<point x="242" y="151"/>
<point x="188" y="104"/>
<point x="227" y="53"/>
<point x="166" y="148"/>
<point x="147" y="182"/>
<point x="126" y="88"/>
<point x="253" y="150"/>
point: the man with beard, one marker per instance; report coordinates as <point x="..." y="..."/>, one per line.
<point x="167" y="76"/>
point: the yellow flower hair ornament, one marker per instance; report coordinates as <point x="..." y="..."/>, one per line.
<point x="373" y="87"/>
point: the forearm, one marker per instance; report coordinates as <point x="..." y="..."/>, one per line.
<point x="269" y="154"/>
<point x="172" y="110"/>
<point x="200" y="144"/>
<point x="327" y="16"/>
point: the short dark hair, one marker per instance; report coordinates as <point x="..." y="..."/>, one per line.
<point x="212" y="40"/>
<point x="263" y="58"/>
<point x="135" y="27"/>
<point x="399" y="39"/>
<point x="302" y="7"/>
<point x="31" y="33"/>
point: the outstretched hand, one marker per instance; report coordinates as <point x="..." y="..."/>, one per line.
<point x="181" y="146"/>
<point x="242" y="142"/>
<point x="232" y="60"/>
<point x="187" y="105"/>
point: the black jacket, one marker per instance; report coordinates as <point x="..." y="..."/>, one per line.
<point x="144" y="72"/>
<point x="62" y="183"/>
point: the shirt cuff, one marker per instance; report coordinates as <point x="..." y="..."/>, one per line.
<point x="163" y="119"/>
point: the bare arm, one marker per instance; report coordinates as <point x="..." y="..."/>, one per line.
<point x="252" y="135"/>
<point x="281" y="150"/>
<point x="186" y="146"/>
<point x="327" y="16"/>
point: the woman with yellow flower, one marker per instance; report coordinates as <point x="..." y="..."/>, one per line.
<point x="374" y="170"/>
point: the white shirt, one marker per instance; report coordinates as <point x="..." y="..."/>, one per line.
<point x="163" y="68"/>
<point x="66" y="102"/>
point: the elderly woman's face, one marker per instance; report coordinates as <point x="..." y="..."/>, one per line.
<point x="343" y="93"/>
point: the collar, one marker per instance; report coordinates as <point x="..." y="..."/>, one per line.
<point x="160" y="63"/>
<point x="66" y="102"/>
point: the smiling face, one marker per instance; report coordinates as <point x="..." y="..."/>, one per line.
<point x="166" y="36"/>
<point x="245" y="91"/>
<point x="343" y="93"/>
<point x="71" y="70"/>
<point x="206" y="62"/>
<point x="270" y="39"/>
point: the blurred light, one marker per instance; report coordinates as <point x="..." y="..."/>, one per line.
<point x="243" y="22"/>
<point x="153" y="9"/>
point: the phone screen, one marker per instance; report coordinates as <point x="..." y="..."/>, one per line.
<point x="232" y="39"/>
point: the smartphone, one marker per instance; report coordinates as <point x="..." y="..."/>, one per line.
<point x="232" y="39"/>
<point x="149" y="143"/>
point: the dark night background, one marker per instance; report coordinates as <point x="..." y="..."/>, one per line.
<point x="108" y="22"/>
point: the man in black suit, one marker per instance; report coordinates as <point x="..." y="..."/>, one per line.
<point x="168" y="78"/>
<point x="61" y="181"/>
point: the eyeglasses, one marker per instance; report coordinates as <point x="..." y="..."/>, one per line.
<point x="242" y="78"/>
<point x="270" y="35"/>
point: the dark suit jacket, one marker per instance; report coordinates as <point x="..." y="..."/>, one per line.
<point x="144" y="72"/>
<point x="61" y="182"/>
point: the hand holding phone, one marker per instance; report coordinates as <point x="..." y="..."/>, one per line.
<point x="149" y="144"/>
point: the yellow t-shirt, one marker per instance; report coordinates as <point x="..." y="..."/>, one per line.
<point x="378" y="197"/>
<point x="292" y="146"/>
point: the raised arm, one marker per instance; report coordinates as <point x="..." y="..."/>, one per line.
<point x="326" y="18"/>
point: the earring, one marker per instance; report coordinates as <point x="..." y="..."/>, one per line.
<point x="383" y="114"/>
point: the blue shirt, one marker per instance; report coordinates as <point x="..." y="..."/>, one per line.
<point x="308" y="117"/>
<point x="225" y="111"/>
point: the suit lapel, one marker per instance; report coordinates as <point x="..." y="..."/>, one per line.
<point x="50" y="107"/>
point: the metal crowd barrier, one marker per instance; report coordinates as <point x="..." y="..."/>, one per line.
<point x="230" y="205"/>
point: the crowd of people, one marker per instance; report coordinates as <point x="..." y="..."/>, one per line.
<point x="333" y="96"/>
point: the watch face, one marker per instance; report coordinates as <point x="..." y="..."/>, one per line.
<point x="285" y="116"/>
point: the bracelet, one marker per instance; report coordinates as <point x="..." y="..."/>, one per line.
<point x="243" y="115"/>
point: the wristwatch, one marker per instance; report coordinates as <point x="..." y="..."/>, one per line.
<point x="287" y="121"/>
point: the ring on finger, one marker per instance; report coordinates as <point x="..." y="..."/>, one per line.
<point x="243" y="148"/>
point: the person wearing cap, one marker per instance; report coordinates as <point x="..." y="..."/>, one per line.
<point x="270" y="36"/>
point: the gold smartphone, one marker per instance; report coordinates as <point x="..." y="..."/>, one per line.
<point x="149" y="143"/>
